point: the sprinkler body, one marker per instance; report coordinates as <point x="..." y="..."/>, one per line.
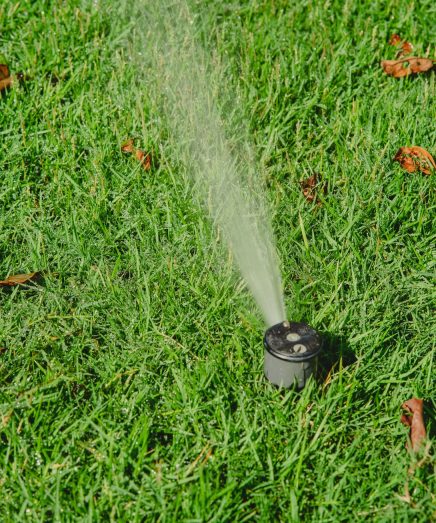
<point x="291" y="351"/>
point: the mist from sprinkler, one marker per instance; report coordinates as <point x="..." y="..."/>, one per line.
<point x="226" y="179"/>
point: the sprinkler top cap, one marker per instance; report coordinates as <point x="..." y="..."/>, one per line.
<point x="292" y="341"/>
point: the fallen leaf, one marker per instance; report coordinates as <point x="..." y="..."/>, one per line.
<point x="415" y="158"/>
<point x="20" y="279"/>
<point x="406" y="66"/>
<point x="145" y="159"/>
<point x="406" y="47"/>
<point x="395" y="39"/>
<point x="309" y="187"/>
<point x="6" y="79"/>
<point x="127" y="147"/>
<point x="4" y="71"/>
<point x="415" y="420"/>
<point x="141" y="156"/>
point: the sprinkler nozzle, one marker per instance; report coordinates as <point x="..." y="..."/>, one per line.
<point x="291" y="351"/>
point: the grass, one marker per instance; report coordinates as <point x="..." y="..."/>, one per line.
<point x="131" y="377"/>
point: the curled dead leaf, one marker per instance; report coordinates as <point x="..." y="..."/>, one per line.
<point x="406" y="66"/>
<point x="6" y="79"/>
<point x="395" y="39"/>
<point x="20" y="279"/>
<point x="406" y="47"/>
<point x="310" y="187"/>
<point x="4" y="71"/>
<point x="144" y="158"/>
<point x="127" y="146"/>
<point x="415" y="158"/>
<point x="414" y="418"/>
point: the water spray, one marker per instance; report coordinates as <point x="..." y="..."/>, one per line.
<point x="230" y="187"/>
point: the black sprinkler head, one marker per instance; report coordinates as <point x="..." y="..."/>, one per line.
<point x="291" y="351"/>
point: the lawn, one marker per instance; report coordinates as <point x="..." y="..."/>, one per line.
<point x="131" y="374"/>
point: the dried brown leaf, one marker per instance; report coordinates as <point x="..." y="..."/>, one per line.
<point x="127" y="146"/>
<point x="20" y="279"/>
<point x="395" y="39"/>
<point x="4" y="71"/>
<point x="406" y="66"/>
<point x="415" y="420"/>
<point x="141" y="156"/>
<point x="6" y="79"/>
<point x="144" y="158"/>
<point x="406" y="48"/>
<point x="310" y="187"/>
<point x="415" y="158"/>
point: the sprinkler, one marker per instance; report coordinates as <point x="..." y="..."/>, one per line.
<point x="291" y="351"/>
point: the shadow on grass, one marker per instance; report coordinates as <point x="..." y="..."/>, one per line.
<point x="335" y="355"/>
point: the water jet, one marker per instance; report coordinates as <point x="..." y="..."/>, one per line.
<point x="221" y="165"/>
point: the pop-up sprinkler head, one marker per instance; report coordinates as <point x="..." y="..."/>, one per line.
<point x="291" y="351"/>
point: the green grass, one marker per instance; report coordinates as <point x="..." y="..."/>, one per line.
<point x="131" y="377"/>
